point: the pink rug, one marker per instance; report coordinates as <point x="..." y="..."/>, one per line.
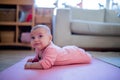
<point x="97" y="70"/>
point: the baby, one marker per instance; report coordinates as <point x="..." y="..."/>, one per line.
<point x="49" y="54"/>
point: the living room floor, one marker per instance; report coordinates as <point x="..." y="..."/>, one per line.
<point x="10" y="57"/>
<point x="109" y="57"/>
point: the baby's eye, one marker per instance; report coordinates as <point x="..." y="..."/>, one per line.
<point x="40" y="36"/>
<point x="32" y="37"/>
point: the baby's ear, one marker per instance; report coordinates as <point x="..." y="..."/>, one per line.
<point x="50" y="37"/>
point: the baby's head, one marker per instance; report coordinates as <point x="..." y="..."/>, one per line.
<point x="40" y="36"/>
<point x="41" y="26"/>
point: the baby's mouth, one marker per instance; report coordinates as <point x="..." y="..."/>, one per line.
<point x="36" y="44"/>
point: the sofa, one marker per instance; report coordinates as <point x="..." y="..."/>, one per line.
<point x="87" y="28"/>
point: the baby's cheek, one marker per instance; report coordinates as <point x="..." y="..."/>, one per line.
<point x="32" y="44"/>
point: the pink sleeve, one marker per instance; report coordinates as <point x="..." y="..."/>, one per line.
<point x="49" y="58"/>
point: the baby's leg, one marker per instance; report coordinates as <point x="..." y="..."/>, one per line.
<point x="85" y="56"/>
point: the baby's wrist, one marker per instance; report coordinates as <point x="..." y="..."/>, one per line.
<point x="28" y="65"/>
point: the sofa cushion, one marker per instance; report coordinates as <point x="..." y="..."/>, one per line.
<point x="95" y="28"/>
<point x="88" y="15"/>
<point x="111" y="16"/>
<point x="79" y="27"/>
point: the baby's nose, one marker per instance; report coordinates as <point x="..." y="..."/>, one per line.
<point x="36" y="39"/>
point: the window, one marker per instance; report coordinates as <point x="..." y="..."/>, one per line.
<point x="114" y="4"/>
<point x="44" y="3"/>
<point x="84" y="4"/>
<point x="94" y="4"/>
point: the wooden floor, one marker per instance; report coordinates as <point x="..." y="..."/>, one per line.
<point x="10" y="57"/>
<point x="109" y="57"/>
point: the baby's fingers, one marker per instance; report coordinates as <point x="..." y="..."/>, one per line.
<point x="30" y="60"/>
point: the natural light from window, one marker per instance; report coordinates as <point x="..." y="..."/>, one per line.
<point x="44" y="3"/>
<point x="86" y="4"/>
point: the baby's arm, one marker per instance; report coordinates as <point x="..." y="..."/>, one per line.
<point x="46" y="62"/>
<point x="35" y="65"/>
<point x="32" y="60"/>
<point x="35" y="59"/>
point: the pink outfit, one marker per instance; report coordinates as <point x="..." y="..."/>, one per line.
<point x="54" y="55"/>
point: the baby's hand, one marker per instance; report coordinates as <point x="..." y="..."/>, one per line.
<point x="35" y="65"/>
<point x="28" y="65"/>
<point x="30" y="60"/>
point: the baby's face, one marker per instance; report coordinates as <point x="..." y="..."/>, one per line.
<point x="40" y="38"/>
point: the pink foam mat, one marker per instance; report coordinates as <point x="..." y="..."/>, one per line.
<point x="97" y="70"/>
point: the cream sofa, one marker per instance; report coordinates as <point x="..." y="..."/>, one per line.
<point x="87" y="28"/>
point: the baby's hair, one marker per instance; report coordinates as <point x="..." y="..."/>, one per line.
<point x="41" y="26"/>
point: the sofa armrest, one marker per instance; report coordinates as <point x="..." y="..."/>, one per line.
<point x="61" y="29"/>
